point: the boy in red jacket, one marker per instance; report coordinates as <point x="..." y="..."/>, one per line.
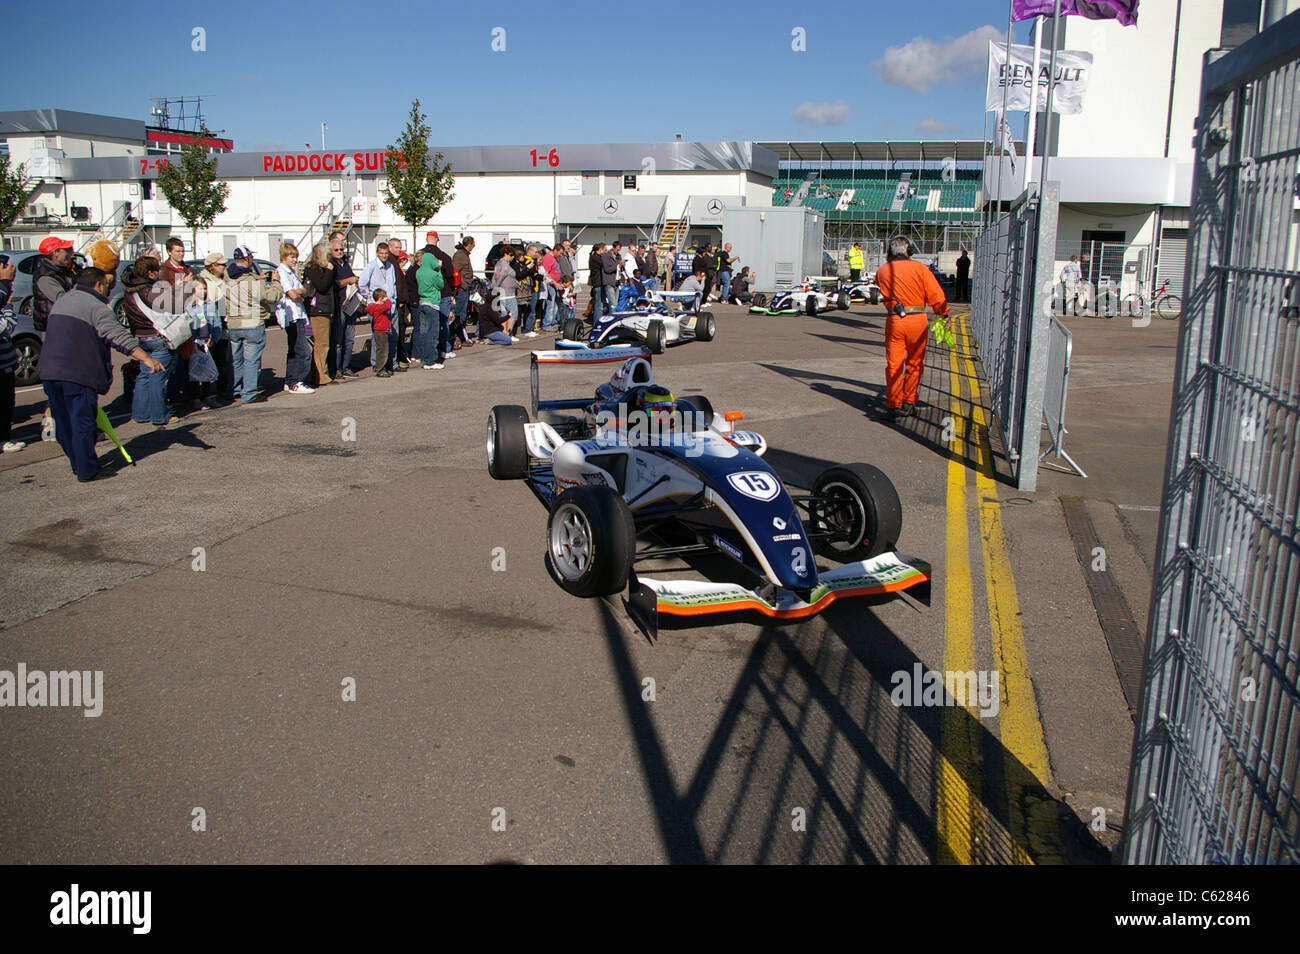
<point x="381" y="323"/>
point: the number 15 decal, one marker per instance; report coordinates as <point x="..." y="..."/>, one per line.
<point x="755" y="484"/>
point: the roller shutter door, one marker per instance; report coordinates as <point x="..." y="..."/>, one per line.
<point x="1173" y="256"/>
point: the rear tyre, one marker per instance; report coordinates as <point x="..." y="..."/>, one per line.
<point x="863" y="517"/>
<point x="572" y="329"/>
<point x="875" y="296"/>
<point x="590" y="541"/>
<point x="760" y="300"/>
<point x="507" y="448"/>
<point x="810" y="306"/>
<point x="705" y="327"/>
<point x="843" y="302"/>
<point x="1169" y="307"/>
<point x="656" y="338"/>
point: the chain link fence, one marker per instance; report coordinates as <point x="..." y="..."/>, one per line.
<point x="1216" y="756"/>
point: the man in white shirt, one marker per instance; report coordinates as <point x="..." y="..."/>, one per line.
<point x="1071" y="275"/>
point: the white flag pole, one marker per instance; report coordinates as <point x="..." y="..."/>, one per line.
<point x="1051" y="89"/>
<point x="1002" y="115"/>
<point x="1033" y="103"/>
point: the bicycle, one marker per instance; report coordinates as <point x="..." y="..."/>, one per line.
<point x="1163" y="302"/>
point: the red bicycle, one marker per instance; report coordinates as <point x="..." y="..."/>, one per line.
<point x="1163" y="302"/>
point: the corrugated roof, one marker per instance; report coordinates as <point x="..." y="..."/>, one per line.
<point x="929" y="150"/>
<point x="70" y="122"/>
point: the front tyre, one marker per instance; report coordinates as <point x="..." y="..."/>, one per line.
<point x="572" y="329"/>
<point x="704" y="327"/>
<point x="507" y="447"/>
<point x="843" y="301"/>
<point x="810" y="306"/>
<point x="590" y="541"/>
<point x="861" y="516"/>
<point x="656" y="337"/>
<point x="760" y="300"/>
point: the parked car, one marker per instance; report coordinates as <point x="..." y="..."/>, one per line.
<point x="25" y="262"/>
<point x="27" y="342"/>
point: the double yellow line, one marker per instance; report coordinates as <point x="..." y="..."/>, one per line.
<point x="967" y="830"/>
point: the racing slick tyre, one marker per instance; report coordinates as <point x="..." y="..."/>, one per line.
<point x="875" y="296"/>
<point x="843" y="301"/>
<point x="590" y="541"/>
<point x="507" y="448"/>
<point x="656" y="338"/>
<point x="702" y="405"/>
<point x="810" y="307"/>
<point x="705" y="327"/>
<point x="760" y="300"/>
<point x="572" y="329"/>
<point x="861" y="517"/>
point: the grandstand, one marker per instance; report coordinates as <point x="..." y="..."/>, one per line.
<point x="930" y="191"/>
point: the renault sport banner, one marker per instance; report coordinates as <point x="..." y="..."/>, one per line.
<point x="1125" y="11"/>
<point x="1073" y="69"/>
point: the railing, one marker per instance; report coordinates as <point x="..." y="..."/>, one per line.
<point x="307" y="241"/>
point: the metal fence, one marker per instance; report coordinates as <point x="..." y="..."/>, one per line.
<point x="1011" y="300"/>
<point x="1055" y="389"/>
<point x="1216" y="752"/>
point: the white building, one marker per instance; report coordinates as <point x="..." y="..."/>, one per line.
<point x="105" y="169"/>
<point x="1125" y="162"/>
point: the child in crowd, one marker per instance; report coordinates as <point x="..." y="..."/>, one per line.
<point x="568" y="300"/>
<point x="381" y="323"/>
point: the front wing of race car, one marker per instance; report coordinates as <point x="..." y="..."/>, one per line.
<point x="887" y="573"/>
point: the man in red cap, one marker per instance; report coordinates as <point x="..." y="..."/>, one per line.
<point x="53" y="276"/>
<point x="447" y="302"/>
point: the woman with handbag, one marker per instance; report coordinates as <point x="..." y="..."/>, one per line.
<point x="319" y="282"/>
<point x="141" y="287"/>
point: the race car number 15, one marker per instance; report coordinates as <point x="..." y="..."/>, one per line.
<point x="552" y="158"/>
<point x="755" y="484"/>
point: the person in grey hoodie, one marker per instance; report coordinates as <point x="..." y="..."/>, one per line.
<point x="75" y="368"/>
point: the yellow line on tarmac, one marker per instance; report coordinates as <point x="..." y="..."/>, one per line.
<point x="1031" y="813"/>
<point x="958" y="811"/>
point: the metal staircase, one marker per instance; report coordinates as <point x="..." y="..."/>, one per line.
<point x="121" y="228"/>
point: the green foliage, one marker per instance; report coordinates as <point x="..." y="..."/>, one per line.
<point x="192" y="188"/>
<point x="421" y="186"/>
<point x="15" y="187"/>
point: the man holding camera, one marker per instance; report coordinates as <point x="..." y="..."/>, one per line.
<point x="906" y="287"/>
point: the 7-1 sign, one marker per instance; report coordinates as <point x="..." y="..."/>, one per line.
<point x="552" y="158"/>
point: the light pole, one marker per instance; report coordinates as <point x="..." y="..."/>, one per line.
<point x="323" y="127"/>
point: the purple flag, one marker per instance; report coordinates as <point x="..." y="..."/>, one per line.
<point x="1125" y="11"/>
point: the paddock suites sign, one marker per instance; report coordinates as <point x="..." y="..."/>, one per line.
<point x="543" y="157"/>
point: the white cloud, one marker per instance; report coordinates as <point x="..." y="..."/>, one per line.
<point x="922" y="63"/>
<point x="822" y="114"/>
<point x="932" y="125"/>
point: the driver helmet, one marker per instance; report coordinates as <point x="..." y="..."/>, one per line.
<point x="652" y="398"/>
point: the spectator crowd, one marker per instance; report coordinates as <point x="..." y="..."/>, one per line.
<point x="196" y="332"/>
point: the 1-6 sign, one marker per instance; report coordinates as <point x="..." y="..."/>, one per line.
<point x="552" y="157"/>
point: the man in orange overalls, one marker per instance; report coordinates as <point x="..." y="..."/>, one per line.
<point x="906" y="287"/>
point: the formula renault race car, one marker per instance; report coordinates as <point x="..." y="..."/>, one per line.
<point x="665" y="318"/>
<point x="865" y="291"/>
<point x="632" y="461"/>
<point x="814" y="294"/>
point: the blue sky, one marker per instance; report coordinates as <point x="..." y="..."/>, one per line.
<point x="567" y="74"/>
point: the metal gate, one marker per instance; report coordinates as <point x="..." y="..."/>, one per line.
<point x="1216" y="754"/>
<point x="1011" y="303"/>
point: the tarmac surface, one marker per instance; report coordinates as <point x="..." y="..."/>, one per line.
<point x="256" y="564"/>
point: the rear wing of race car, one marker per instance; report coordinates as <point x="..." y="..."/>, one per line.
<point x="612" y="355"/>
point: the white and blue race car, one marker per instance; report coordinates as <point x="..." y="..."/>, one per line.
<point x="665" y="318"/>
<point x="632" y="461"/>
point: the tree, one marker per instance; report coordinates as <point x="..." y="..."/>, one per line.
<point x="15" y="187"/>
<point x="192" y="188"/>
<point x="421" y="184"/>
